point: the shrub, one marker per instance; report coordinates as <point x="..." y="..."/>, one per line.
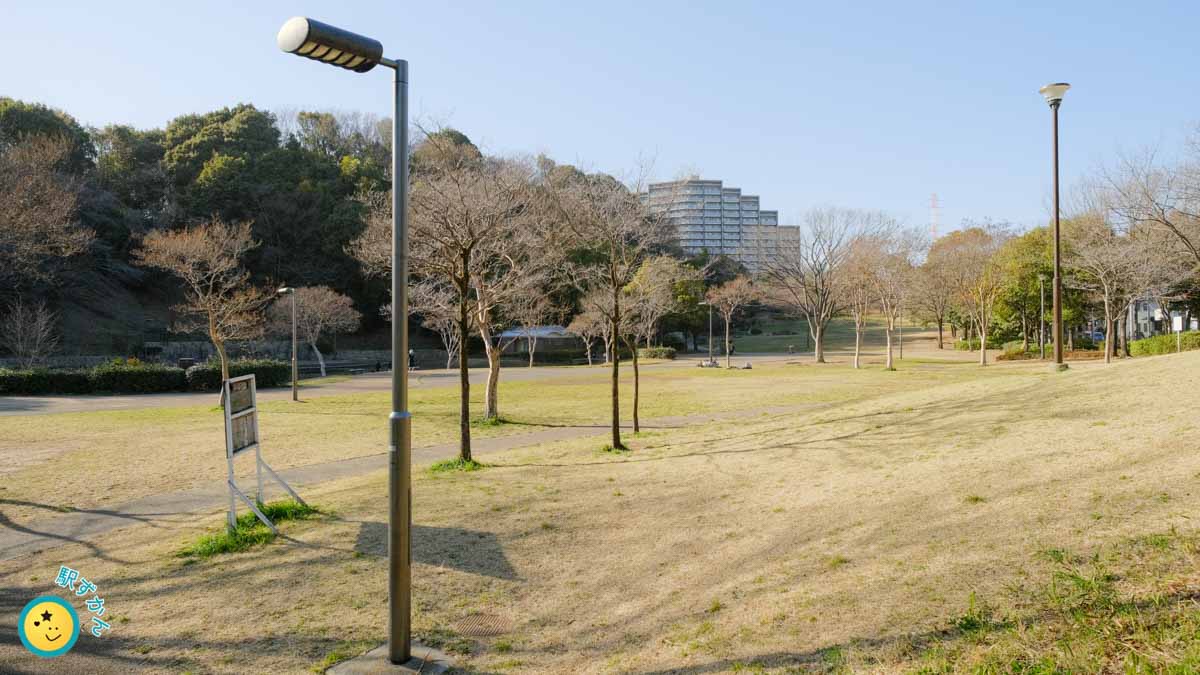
<point x="134" y="377"/>
<point x="756" y="331"/>
<point x="42" y="381"/>
<point x="656" y="353"/>
<point x="267" y="373"/>
<point x="973" y="345"/>
<point x="1164" y="344"/>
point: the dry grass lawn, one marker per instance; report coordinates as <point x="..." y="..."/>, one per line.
<point x="905" y="527"/>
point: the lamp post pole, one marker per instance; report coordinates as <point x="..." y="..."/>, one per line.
<point x="295" y="366"/>
<point x="1054" y="95"/>
<point x="335" y="46"/>
<point x="288" y="290"/>
<point x="1042" y="318"/>
<point x="400" y="445"/>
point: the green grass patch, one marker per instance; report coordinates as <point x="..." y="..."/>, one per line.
<point x="342" y="652"/>
<point x="250" y="531"/>
<point x="456" y="464"/>
<point x="1127" y="608"/>
<point x="489" y="422"/>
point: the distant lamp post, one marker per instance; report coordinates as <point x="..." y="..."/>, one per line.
<point x="710" y="333"/>
<point x="329" y="44"/>
<point x="1053" y="94"/>
<point x="1042" y="317"/>
<point x="288" y="290"/>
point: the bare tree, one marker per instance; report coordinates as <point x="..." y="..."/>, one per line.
<point x="933" y="293"/>
<point x="649" y="297"/>
<point x="39" y="205"/>
<point x="860" y="294"/>
<point x="1141" y="191"/>
<point x="728" y="298"/>
<point x="973" y="272"/>
<point x="28" y="332"/>
<point x="435" y="303"/>
<point x="891" y="277"/>
<point x="1117" y="259"/>
<point x="606" y="219"/>
<point x="530" y="309"/>
<point x="810" y="276"/>
<point x="472" y="229"/>
<point x="218" y="295"/>
<point x="320" y="311"/>
<point x="590" y="325"/>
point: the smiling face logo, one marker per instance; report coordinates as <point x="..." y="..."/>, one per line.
<point x="48" y="626"/>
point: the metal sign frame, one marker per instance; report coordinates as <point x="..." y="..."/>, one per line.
<point x="240" y="423"/>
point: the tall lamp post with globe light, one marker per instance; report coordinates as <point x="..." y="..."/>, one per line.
<point x="1053" y="93"/>
<point x="337" y="47"/>
<point x="288" y="290"/>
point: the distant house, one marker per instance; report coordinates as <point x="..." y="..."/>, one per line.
<point x="1147" y="318"/>
<point x="550" y="340"/>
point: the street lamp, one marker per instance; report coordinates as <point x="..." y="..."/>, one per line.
<point x="710" y="333"/>
<point x="322" y="42"/>
<point x="1042" y="317"/>
<point x="1053" y="94"/>
<point x="288" y="290"/>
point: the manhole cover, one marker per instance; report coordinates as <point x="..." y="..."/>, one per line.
<point x="484" y="625"/>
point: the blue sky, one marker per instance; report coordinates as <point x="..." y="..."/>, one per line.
<point x="873" y="105"/>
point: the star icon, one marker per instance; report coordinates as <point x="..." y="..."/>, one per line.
<point x="45" y="616"/>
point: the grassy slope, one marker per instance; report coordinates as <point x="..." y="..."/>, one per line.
<point x="1016" y="519"/>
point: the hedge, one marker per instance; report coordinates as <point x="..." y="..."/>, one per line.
<point x="267" y="373"/>
<point x="1164" y="344"/>
<point x="137" y="378"/>
<point x="656" y="353"/>
<point x="41" y="381"/>
<point x="133" y="377"/>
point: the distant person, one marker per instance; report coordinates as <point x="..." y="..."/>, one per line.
<point x="791" y="349"/>
<point x="732" y="349"/>
<point x="410" y="359"/>
<point x="378" y="366"/>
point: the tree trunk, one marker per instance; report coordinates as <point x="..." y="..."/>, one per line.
<point x="587" y="344"/>
<point x="1108" y="336"/>
<point x="220" y="346"/>
<point x="492" y="391"/>
<point x="531" y="343"/>
<point x="464" y="380"/>
<point x="616" y="364"/>
<point x="858" y="331"/>
<point x="818" y="336"/>
<point x="1024" y="334"/>
<point x="890" y="362"/>
<point x="636" y="386"/>
<point x="1123" y="336"/>
<point x="939" y="323"/>
<point x="982" y="345"/>
<point x="320" y="357"/>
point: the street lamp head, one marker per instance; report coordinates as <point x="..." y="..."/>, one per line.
<point x="1054" y="93"/>
<point x="321" y="42"/>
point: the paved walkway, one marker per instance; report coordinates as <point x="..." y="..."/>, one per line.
<point x="174" y="507"/>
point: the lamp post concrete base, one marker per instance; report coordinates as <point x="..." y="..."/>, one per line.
<point x="425" y="660"/>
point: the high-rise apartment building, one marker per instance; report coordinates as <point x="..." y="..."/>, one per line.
<point x="717" y="219"/>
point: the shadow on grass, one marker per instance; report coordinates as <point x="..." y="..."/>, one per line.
<point x="464" y="550"/>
